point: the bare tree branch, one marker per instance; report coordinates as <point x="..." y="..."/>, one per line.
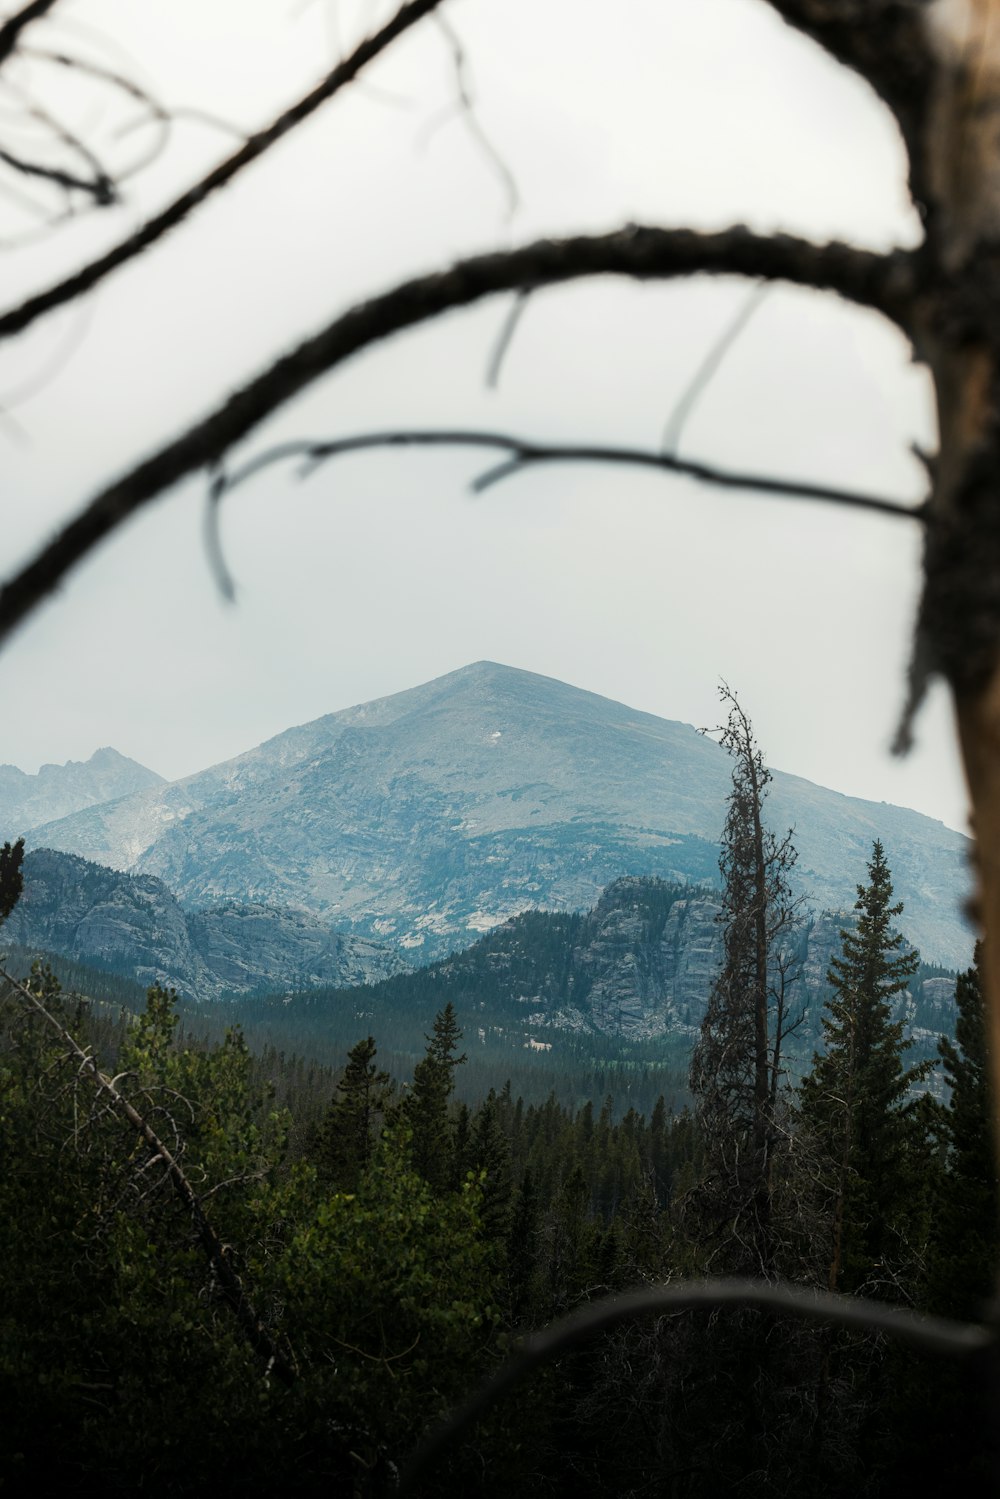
<point x="466" y="105"/>
<point x="886" y="42"/>
<point x="887" y="283"/>
<point x="11" y="30"/>
<point x="708" y="368"/>
<point x="511" y="323"/>
<point x="525" y="453"/>
<point x="155" y="113"/>
<point x="926" y="1334"/>
<point x="229" y="1282"/>
<point x="101" y="188"/>
<point x="88" y="276"/>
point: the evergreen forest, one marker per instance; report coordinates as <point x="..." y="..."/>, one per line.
<point x="237" y="1269"/>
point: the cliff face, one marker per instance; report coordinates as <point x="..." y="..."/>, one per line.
<point x="428" y="817"/>
<point x="132" y="924"/>
<point x="640" y="965"/>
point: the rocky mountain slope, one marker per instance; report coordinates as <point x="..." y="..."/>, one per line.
<point x="59" y="790"/>
<point x="427" y="817"/>
<point x="133" y="925"/>
<point x="639" y="965"/>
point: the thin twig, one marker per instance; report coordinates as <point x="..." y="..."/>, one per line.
<point x="887" y="283"/>
<point x="707" y="369"/>
<point x="467" y="107"/>
<point x="156" y="113"/>
<point x="100" y="188"/>
<point x="525" y="453"/>
<point x="511" y="323"/>
<point x="89" y="275"/>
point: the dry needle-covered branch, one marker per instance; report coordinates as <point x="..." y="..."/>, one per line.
<point x="886" y="283"/>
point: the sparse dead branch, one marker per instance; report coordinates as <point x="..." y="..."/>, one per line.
<point x="90" y="275"/>
<point x="465" y="105"/>
<point x="525" y="453"/>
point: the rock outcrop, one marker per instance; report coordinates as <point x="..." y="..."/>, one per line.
<point x="133" y="925"/>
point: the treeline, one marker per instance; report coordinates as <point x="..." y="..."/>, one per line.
<point x="395" y="1246"/>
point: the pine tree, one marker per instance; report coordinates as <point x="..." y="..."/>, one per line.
<point x="426" y="1106"/>
<point x="11" y="879"/>
<point x="855" y="1099"/>
<point x="964" y="1235"/>
<point x="346" y="1136"/>
<point x="736" y="1069"/>
<point x="939" y="1414"/>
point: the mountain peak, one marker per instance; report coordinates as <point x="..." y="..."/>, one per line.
<point x="428" y="816"/>
<point x="60" y="790"/>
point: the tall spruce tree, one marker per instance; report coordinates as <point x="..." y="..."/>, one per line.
<point x="963" y="1254"/>
<point x="426" y="1107"/>
<point x="857" y="1099"/>
<point x="346" y="1136"/>
<point x="737" y="1067"/>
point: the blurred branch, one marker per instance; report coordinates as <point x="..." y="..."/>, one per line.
<point x="887" y="283"/>
<point x="926" y="1334"/>
<point x="155" y="112"/>
<point x="525" y="453"/>
<point x="708" y="368"/>
<point x="511" y="323"/>
<point x="88" y="276"/>
<point x="11" y="30"/>
<point x="883" y="40"/>
<point x="465" y="104"/>
<point x="101" y="188"/>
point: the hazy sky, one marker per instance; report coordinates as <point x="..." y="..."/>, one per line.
<point x="381" y="571"/>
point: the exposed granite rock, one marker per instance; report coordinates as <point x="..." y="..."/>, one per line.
<point x="132" y="924"/>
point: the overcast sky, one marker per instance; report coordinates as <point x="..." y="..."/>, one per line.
<point x="381" y="571"/>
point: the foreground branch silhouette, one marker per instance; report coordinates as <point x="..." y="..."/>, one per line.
<point x="932" y="1335"/>
<point x="887" y="284"/>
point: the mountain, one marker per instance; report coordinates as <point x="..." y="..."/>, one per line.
<point x="427" y="817"/>
<point x="59" y="790"/>
<point x="133" y="925"/>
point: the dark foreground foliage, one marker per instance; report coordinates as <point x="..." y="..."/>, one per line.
<point x="394" y="1254"/>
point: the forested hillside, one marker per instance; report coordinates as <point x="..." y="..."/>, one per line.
<point x="388" y="1244"/>
<point x="571" y="998"/>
